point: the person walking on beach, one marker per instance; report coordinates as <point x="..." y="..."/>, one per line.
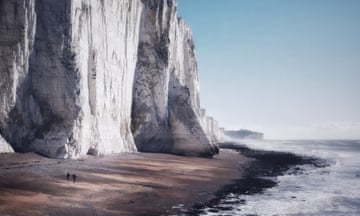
<point x="74" y="178"/>
<point x="68" y="176"/>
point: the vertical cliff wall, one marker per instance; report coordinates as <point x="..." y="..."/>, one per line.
<point x="166" y="107"/>
<point x="150" y="116"/>
<point x="89" y="76"/>
<point x="105" y="37"/>
<point x="67" y="75"/>
<point x="17" y="31"/>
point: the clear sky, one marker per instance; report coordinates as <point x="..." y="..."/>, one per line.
<point x="288" y="68"/>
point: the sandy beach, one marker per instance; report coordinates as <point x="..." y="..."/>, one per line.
<point x="119" y="184"/>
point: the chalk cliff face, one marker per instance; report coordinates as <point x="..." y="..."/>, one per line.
<point x="84" y="76"/>
<point x="166" y="108"/>
<point x="68" y="75"/>
<point x="17" y="31"/>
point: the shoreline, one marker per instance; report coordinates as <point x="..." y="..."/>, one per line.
<point x="119" y="184"/>
<point x="135" y="184"/>
<point x="258" y="176"/>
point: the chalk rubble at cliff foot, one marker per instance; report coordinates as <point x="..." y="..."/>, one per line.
<point x="88" y="76"/>
<point x="166" y="109"/>
<point x="4" y="146"/>
<point x="67" y="70"/>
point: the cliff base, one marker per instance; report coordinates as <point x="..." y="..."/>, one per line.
<point x="120" y="184"/>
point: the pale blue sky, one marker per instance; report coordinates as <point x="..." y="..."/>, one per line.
<point x="288" y="68"/>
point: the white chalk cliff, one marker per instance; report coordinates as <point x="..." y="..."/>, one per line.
<point x="17" y="29"/>
<point x="98" y="77"/>
<point x="166" y="106"/>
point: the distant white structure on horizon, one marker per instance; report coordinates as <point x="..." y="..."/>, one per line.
<point x="244" y="134"/>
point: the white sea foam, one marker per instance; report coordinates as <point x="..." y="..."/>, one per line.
<point x="332" y="190"/>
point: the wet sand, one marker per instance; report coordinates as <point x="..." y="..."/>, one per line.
<point x="120" y="184"/>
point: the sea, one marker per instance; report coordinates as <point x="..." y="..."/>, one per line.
<point x="333" y="189"/>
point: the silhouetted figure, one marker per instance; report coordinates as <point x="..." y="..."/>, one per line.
<point x="68" y="176"/>
<point x="216" y="149"/>
<point x="74" y="178"/>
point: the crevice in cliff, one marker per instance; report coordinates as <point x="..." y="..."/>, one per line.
<point x="92" y="81"/>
